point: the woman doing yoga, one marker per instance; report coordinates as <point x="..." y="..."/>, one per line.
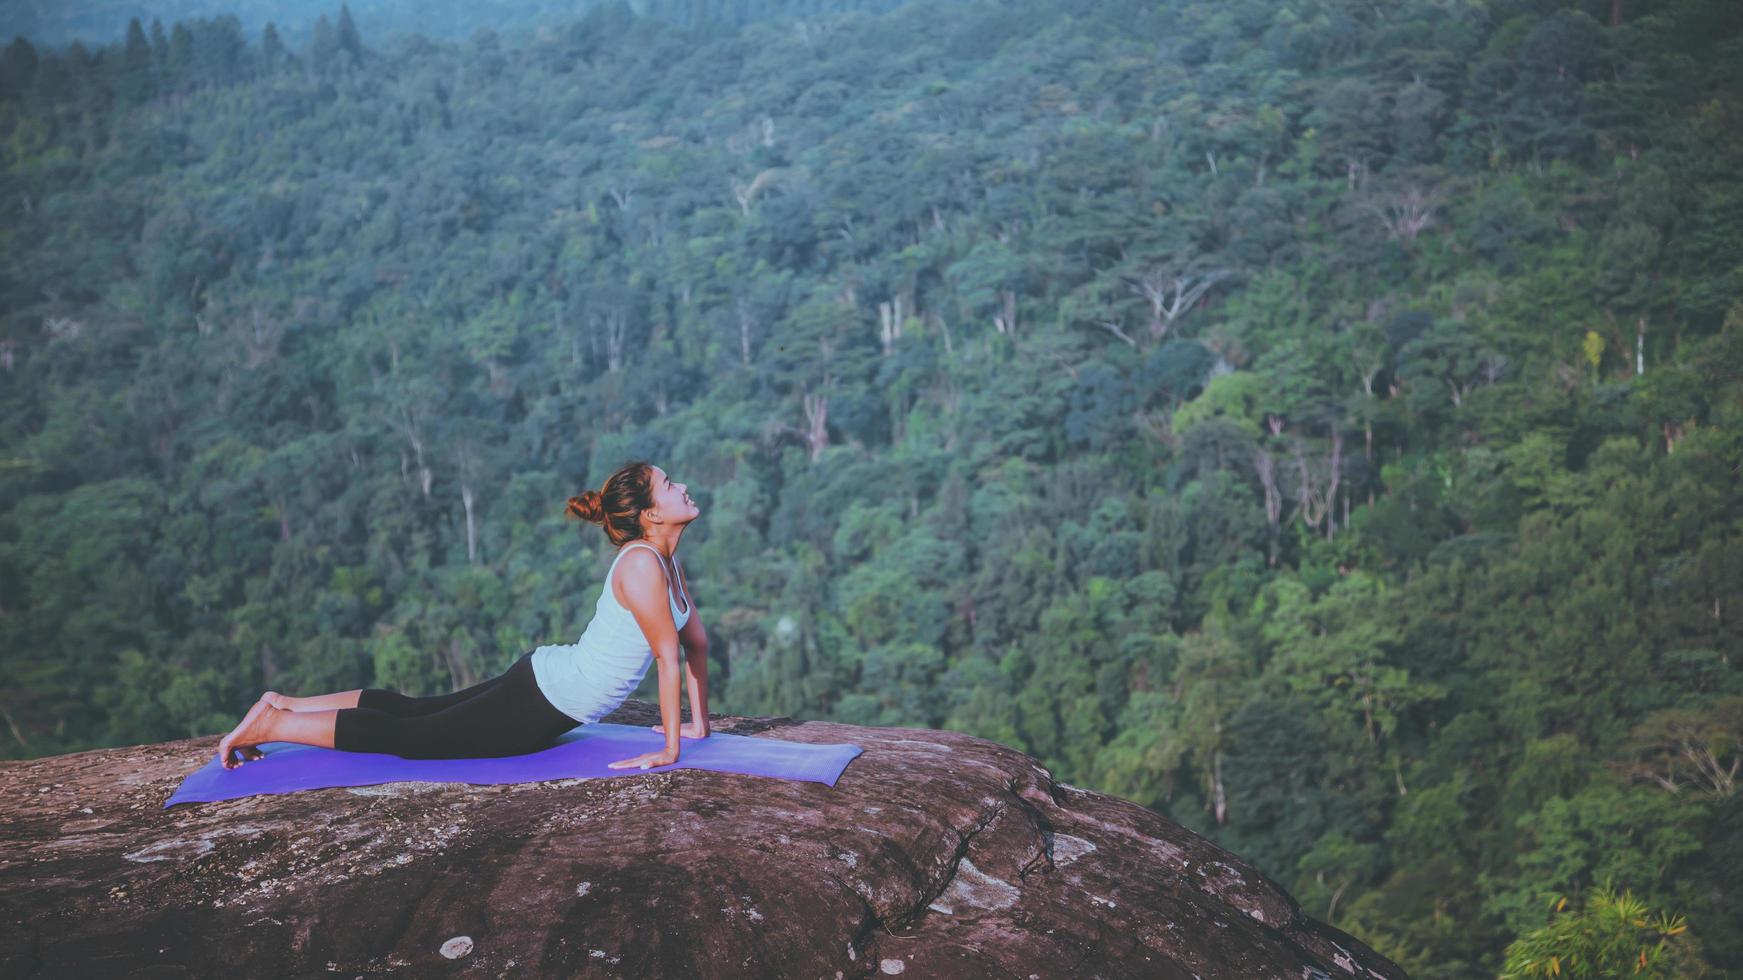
<point x="644" y="615"/>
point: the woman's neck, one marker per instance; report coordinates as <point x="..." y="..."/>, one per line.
<point x="666" y="544"/>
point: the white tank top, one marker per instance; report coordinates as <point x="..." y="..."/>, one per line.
<point x="589" y="678"/>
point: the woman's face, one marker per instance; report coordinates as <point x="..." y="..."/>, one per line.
<point x="672" y="500"/>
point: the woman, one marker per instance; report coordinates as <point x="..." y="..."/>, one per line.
<point x="643" y="615"/>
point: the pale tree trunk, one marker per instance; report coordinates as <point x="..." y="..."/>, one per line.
<point x="1315" y="498"/>
<point x="1337" y="474"/>
<point x="1113" y="327"/>
<point x="13" y="725"/>
<point x="1368" y="419"/>
<point x="746" y="194"/>
<point x="459" y="673"/>
<point x="1220" y="794"/>
<point x="467" y="466"/>
<point x="408" y="427"/>
<point x="1005" y="321"/>
<point x="1331" y="909"/>
<point x="1673" y="431"/>
<point x="1171" y="294"/>
<point x="744" y="325"/>
<point x="260" y="343"/>
<point x="816" y="424"/>
<point x="471" y="526"/>
<point x="890" y="323"/>
<point x="1266" y="466"/>
<point x="1407" y="213"/>
<point x="1267" y="469"/>
<point x="616" y="330"/>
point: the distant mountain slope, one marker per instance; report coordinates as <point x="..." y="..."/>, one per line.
<point x="58" y="22"/>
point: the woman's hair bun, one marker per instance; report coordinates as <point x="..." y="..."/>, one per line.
<point x="590" y="507"/>
<point x="617" y="506"/>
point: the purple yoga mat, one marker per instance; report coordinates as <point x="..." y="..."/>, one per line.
<point x="583" y="752"/>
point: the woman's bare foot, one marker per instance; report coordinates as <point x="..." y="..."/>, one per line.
<point x="251" y="731"/>
<point x="319" y="702"/>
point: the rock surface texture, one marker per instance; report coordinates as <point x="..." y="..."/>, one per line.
<point x="935" y="855"/>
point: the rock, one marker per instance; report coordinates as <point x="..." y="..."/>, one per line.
<point x="936" y="855"/>
<point x="457" y="947"/>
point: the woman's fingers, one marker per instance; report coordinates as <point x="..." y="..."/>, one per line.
<point x="248" y="754"/>
<point x="645" y="760"/>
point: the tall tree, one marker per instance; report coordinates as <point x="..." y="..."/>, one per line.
<point x="135" y="83"/>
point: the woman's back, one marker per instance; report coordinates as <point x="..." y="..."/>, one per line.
<point x="589" y="678"/>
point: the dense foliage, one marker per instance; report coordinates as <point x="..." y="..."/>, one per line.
<point x="1318" y="420"/>
<point x="1614" y="936"/>
<point x="59" y="22"/>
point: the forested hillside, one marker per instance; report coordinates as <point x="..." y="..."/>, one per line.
<point x="60" y="22"/>
<point x="1318" y="420"/>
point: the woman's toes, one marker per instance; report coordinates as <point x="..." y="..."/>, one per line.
<point x="249" y="733"/>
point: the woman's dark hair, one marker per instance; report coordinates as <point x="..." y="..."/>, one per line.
<point x="617" y="506"/>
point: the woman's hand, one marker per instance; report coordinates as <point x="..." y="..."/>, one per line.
<point x="689" y="729"/>
<point x="646" y="759"/>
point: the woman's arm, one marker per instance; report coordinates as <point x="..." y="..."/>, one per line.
<point x="694" y="639"/>
<point x="644" y="594"/>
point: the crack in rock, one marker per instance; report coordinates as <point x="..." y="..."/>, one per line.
<point x="975" y="888"/>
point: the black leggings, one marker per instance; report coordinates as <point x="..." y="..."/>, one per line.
<point x="505" y="715"/>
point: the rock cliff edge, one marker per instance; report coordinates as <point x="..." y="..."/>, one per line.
<point x="936" y="854"/>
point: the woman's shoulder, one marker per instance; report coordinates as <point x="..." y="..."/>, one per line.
<point x="640" y="570"/>
<point x="637" y="558"/>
